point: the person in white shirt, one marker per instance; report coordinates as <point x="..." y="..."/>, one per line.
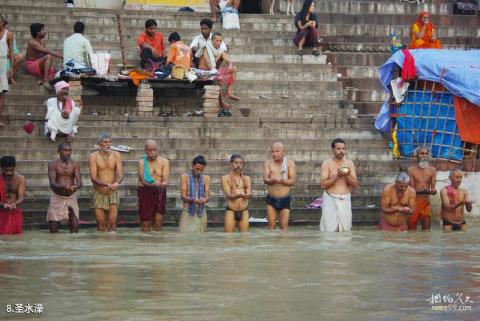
<point x="77" y="47"/>
<point x="199" y="43"/>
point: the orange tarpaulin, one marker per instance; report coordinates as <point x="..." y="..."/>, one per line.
<point x="468" y="118"/>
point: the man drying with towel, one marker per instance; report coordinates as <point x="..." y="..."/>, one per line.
<point x="65" y="179"/>
<point x="153" y="174"/>
<point x="337" y="178"/>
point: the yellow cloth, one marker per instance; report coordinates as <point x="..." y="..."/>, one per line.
<point x="103" y="201"/>
<point x="423" y="43"/>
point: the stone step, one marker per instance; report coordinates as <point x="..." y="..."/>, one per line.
<point x="371" y="168"/>
<point x="219" y="201"/>
<point x="253" y="154"/>
<point x="127" y="218"/>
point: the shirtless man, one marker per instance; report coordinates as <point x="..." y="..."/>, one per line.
<point x="38" y="60"/>
<point x="12" y="194"/>
<point x="398" y="201"/>
<point x="454" y="199"/>
<point x="106" y="173"/>
<point x="279" y="175"/>
<point x="65" y="179"/>
<point x="195" y="193"/>
<point x="153" y="175"/>
<point x="337" y="178"/>
<point x="422" y="179"/>
<point x="238" y="190"/>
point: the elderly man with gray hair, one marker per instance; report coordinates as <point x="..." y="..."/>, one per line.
<point x="398" y="201"/>
<point x="106" y="173"/>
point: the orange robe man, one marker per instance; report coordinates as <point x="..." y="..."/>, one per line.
<point x="424" y="33"/>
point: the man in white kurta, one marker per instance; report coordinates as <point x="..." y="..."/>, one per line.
<point x="337" y="178"/>
<point x="62" y="114"/>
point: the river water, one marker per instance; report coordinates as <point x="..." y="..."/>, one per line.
<point x="300" y="275"/>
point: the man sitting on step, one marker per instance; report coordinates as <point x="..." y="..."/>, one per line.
<point x="77" y="48"/>
<point x="38" y="60"/>
<point x="150" y="43"/>
<point x="179" y="53"/>
<point x="62" y="114"/>
<point x="65" y="179"/>
<point x="199" y="43"/>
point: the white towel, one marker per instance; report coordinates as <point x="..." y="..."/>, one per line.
<point x="284" y="168"/>
<point x="336" y="213"/>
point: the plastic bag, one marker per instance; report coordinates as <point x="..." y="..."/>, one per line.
<point x="100" y="62"/>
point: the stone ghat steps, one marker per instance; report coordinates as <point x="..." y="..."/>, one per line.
<point x="183" y="143"/>
<point x="252" y="154"/>
<point x="372" y="168"/>
<point x="174" y="201"/>
<point x="353" y="6"/>
<point x="311" y="190"/>
<point x="230" y="128"/>
<point x="361" y="216"/>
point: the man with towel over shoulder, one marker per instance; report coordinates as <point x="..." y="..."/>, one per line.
<point x="279" y="175"/>
<point x="153" y="175"/>
<point x="337" y="178"/>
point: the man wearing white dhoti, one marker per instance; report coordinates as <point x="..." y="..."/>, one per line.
<point x="337" y="178"/>
<point x="62" y="114"/>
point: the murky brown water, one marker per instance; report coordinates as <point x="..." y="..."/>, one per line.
<point x="301" y="275"/>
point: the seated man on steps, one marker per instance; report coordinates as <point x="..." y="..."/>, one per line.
<point x="179" y="53"/>
<point x="77" y="47"/>
<point x="62" y="114"/>
<point x="199" y="43"/>
<point x="213" y="57"/>
<point x="38" y="60"/>
<point x="17" y="56"/>
<point x="150" y="43"/>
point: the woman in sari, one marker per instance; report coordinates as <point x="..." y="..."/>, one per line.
<point x="424" y="33"/>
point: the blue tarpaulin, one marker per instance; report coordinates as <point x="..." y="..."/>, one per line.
<point x="457" y="70"/>
<point x="427" y="118"/>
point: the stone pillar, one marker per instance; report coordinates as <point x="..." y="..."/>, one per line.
<point x="211" y="104"/>
<point x="144" y="99"/>
<point x="75" y="92"/>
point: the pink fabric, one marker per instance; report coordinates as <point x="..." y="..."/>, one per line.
<point x="33" y="68"/>
<point x="383" y="225"/>
<point x="409" y="71"/>
<point x="60" y="85"/>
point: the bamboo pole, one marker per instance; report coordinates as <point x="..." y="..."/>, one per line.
<point x="120" y="36"/>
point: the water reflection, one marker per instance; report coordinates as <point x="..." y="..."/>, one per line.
<point x="298" y="275"/>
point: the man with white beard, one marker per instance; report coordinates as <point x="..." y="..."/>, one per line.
<point x="422" y="179"/>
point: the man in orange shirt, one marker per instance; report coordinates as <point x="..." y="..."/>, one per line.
<point x="151" y="46"/>
<point x="424" y="33"/>
<point x="179" y="53"/>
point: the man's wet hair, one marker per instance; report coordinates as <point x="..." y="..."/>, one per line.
<point x="234" y="157"/>
<point x="35" y="28"/>
<point x="150" y="23"/>
<point x="338" y="140"/>
<point x="199" y="160"/>
<point x="417" y="150"/>
<point x="8" y="161"/>
<point x="206" y="22"/>
<point x="62" y="146"/>
<point x="216" y="34"/>
<point x="103" y="136"/>
<point x="174" y="36"/>
<point x="79" y="27"/>
<point x="402" y="177"/>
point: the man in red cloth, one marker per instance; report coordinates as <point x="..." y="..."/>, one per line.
<point x="12" y="193"/>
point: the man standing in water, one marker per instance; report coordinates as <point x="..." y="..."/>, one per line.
<point x="454" y="199"/>
<point x="238" y="190"/>
<point x="195" y="193"/>
<point x="422" y="179"/>
<point x="337" y="178"/>
<point x="153" y="174"/>
<point x="12" y="194"/>
<point x="65" y="179"/>
<point x="106" y="173"/>
<point x="279" y="175"/>
<point x="398" y="200"/>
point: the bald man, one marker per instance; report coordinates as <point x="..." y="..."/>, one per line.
<point x="454" y="200"/>
<point x="153" y="175"/>
<point x="398" y="201"/>
<point x="279" y="175"/>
